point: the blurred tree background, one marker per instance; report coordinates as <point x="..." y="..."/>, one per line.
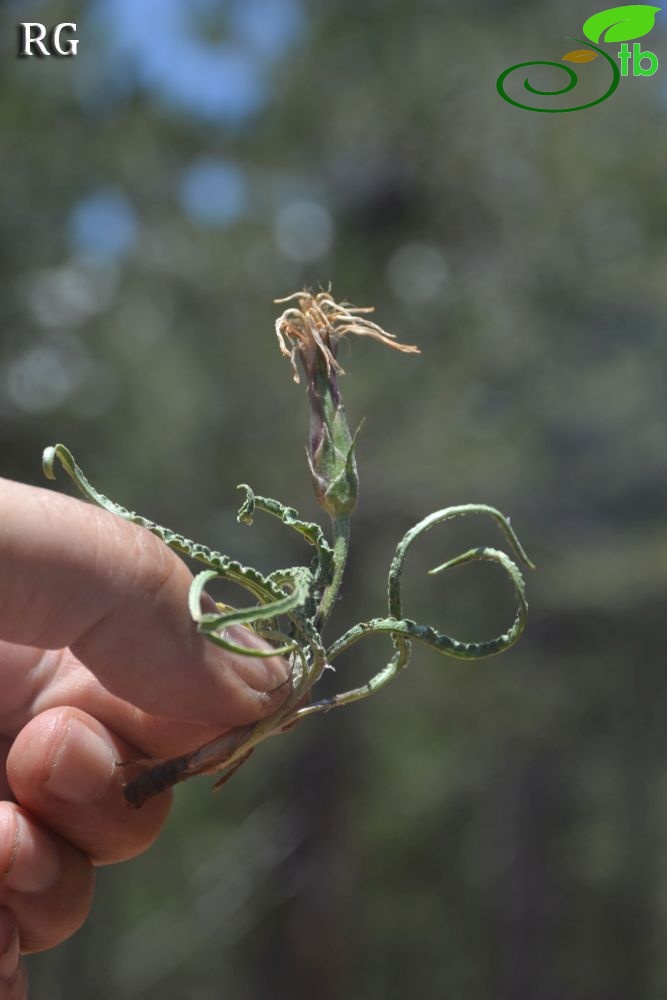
<point x="492" y="830"/>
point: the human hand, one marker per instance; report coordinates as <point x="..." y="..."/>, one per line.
<point x="99" y="663"/>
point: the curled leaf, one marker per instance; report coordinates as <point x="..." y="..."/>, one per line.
<point x="621" y="24"/>
<point x="580" y="56"/>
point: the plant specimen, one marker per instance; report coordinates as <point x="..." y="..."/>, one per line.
<point x="290" y="607"/>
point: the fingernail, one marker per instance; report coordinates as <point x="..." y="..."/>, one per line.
<point x="264" y="674"/>
<point x="9" y="946"/>
<point x="35" y="862"/>
<point x="83" y="766"/>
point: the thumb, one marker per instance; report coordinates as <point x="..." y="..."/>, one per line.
<point x="73" y="575"/>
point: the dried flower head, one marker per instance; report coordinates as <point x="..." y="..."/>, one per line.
<point x="311" y="330"/>
<point x="314" y="327"/>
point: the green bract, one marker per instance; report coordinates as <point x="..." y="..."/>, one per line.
<point x="289" y="607"/>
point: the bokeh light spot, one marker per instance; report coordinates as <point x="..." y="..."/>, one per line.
<point x="103" y="225"/>
<point x="417" y="272"/>
<point x="214" y="192"/>
<point x="304" y="230"/>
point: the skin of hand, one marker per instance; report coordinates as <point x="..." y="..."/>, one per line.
<point x="100" y="662"/>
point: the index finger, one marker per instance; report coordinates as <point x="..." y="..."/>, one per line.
<point x="73" y="575"/>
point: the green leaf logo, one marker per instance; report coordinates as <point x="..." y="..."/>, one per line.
<point x="621" y="24"/>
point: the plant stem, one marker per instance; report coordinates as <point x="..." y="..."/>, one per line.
<point x="341" y="543"/>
